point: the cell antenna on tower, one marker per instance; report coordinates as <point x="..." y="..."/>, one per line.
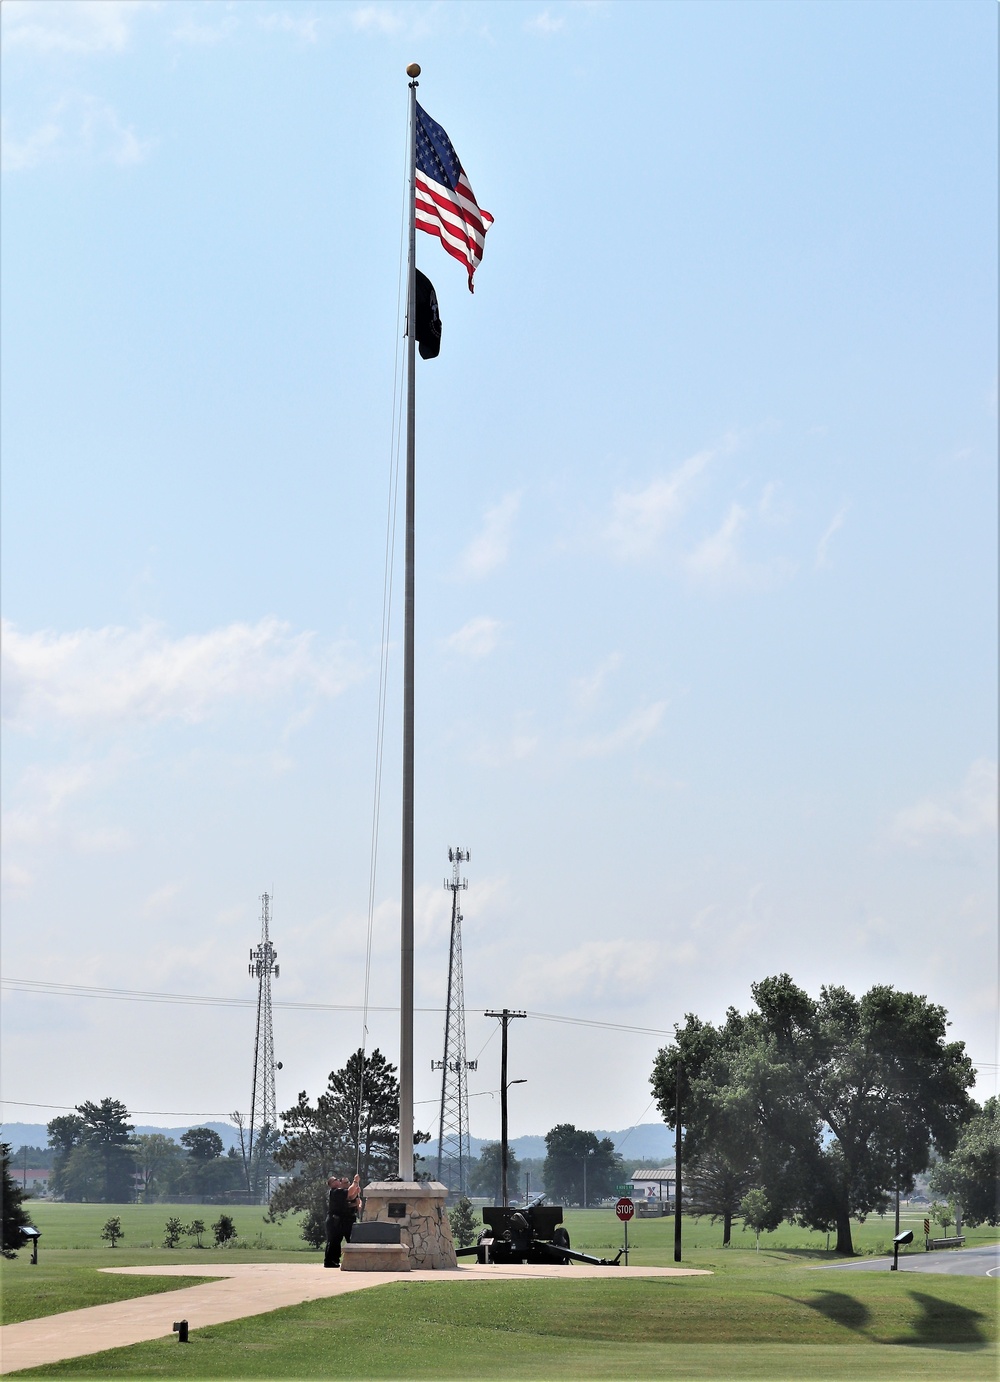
<point x="262" y="1133"/>
<point x="453" y="1134"/>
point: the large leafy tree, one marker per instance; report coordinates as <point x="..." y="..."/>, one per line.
<point x="15" y="1216"/>
<point x="841" y="1097"/>
<point x="970" y="1176"/>
<point x="486" y="1173"/>
<point x="159" y="1162"/>
<point x="579" y="1166"/>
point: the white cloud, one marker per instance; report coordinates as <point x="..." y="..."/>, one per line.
<point x="717" y="557"/>
<point x="78" y="128"/>
<point x="586" y="691"/>
<point x="118" y="674"/>
<point x="198" y="34"/>
<point x="641" y="517"/>
<point x="606" y="969"/>
<point x="968" y="813"/>
<point x="633" y="731"/>
<point x="379" y="19"/>
<point x="490" y="548"/>
<point x="545" y="23"/>
<point x="71" y="26"/>
<point x="823" y="546"/>
<point x="305" y="26"/>
<point x="476" y="638"/>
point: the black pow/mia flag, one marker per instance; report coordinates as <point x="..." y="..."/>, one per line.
<point x="428" y="322"/>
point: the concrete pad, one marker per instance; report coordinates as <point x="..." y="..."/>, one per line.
<point x="241" y="1289"/>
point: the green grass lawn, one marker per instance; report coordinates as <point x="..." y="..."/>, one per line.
<point x="768" y="1322"/>
<point x="761" y="1315"/>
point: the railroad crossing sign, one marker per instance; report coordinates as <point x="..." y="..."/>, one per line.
<point x="625" y="1209"/>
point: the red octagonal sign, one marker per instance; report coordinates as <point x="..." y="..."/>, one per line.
<point x="625" y="1208"/>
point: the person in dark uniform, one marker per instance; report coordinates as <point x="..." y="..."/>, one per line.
<point x="342" y="1212"/>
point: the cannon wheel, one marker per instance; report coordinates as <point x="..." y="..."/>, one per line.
<point x="560" y="1239"/>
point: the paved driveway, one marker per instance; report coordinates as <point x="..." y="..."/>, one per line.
<point x="950" y="1261"/>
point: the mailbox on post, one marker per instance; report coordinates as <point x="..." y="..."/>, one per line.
<point x="897" y="1243"/>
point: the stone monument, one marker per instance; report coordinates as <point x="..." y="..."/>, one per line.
<point x="416" y="1209"/>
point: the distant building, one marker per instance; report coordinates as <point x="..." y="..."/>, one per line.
<point x="33" y="1180"/>
<point x="656" y="1189"/>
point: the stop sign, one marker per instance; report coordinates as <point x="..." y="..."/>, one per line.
<point x="625" y="1208"/>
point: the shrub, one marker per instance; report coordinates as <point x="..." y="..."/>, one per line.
<point x="112" y="1231"/>
<point x="464" y="1224"/>
<point x="172" y="1233"/>
<point x="195" y="1229"/>
<point x="224" y="1229"/>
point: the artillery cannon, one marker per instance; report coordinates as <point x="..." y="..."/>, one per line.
<point x="532" y="1234"/>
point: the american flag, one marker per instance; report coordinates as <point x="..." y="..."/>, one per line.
<point x="445" y="203"/>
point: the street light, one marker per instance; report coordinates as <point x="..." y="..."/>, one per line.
<point x="505" y="1085"/>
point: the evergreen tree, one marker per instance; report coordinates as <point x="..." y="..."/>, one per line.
<point x="352" y="1126"/>
<point x="15" y="1216"/>
<point x="224" y="1229"/>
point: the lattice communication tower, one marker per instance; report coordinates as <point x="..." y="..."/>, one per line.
<point x="453" y="1134"/>
<point x="263" y="1103"/>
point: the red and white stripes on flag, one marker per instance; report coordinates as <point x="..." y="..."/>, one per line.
<point x="446" y="205"/>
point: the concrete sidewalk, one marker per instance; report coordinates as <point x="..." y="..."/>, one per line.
<point x="243" y="1289"/>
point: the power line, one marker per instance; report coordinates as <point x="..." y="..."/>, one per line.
<point x="203" y="1000"/>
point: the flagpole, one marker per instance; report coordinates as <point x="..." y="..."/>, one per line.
<point x="406" y="910"/>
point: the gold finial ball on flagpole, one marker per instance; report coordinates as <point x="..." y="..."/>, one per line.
<point x="413" y="69"/>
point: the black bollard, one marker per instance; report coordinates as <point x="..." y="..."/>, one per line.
<point x="181" y="1330"/>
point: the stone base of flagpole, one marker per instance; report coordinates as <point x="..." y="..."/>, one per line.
<point x="417" y="1209"/>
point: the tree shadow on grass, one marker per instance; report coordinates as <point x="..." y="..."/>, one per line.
<point x="840" y="1308"/>
<point x="944" y="1322"/>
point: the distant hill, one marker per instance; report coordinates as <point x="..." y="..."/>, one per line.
<point x="34" y="1134"/>
<point x="645" y="1142"/>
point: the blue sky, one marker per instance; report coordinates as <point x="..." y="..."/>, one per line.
<point x="706" y="579"/>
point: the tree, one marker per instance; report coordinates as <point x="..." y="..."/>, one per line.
<point x="203" y="1144"/>
<point x="15" y="1216"/>
<point x="942" y="1214"/>
<point x="485" y="1174"/>
<point x="353" y="1125"/>
<point x="108" y="1132"/>
<point x="82" y="1177"/>
<point x="112" y="1231"/>
<point x="464" y="1224"/>
<point x="159" y="1163"/>
<point x="715" y="1185"/>
<point x="195" y="1229"/>
<point x="65" y="1133"/>
<point x="875" y="1072"/>
<point x="970" y="1176"/>
<point x="757" y="1212"/>
<point x="172" y="1232"/>
<point x="224" y="1229"/>
<point x="579" y="1168"/>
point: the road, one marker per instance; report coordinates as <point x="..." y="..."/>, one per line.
<point x="950" y="1261"/>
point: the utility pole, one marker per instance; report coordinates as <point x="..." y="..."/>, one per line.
<point x="453" y="1129"/>
<point x="677" y="1166"/>
<point x="505" y="1018"/>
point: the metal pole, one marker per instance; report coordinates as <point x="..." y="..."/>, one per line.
<point x="585" y="1182"/>
<point x="505" y="1018"/>
<point x="406" y="909"/>
<point x="677" y="1166"/>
